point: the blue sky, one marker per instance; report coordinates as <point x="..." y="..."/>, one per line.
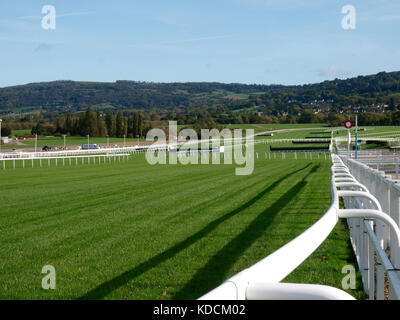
<point x="246" y="41"/>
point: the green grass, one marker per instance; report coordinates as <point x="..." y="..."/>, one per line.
<point x="128" y="230"/>
<point x="277" y="126"/>
<point x="387" y="131"/>
<point x="20" y="132"/>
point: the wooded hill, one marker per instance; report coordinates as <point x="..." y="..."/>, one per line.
<point x="63" y="96"/>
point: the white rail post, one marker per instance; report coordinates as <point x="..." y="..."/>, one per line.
<point x="383" y="196"/>
<point x="371" y="271"/>
<point x="23" y="163"/>
<point x="381" y="227"/>
<point x="380" y="281"/>
<point x="394" y="209"/>
<point x="364" y="255"/>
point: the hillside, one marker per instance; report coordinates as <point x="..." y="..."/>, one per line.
<point x="122" y="94"/>
<point x="362" y="91"/>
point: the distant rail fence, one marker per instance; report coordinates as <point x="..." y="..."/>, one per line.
<point x="67" y="153"/>
<point x="383" y="160"/>
<point x="56" y="160"/>
<point x="124" y="152"/>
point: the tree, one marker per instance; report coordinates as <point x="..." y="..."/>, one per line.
<point x="68" y="124"/>
<point x="126" y="125"/>
<point x="110" y="121"/>
<point x="140" y="124"/>
<point x="119" y="125"/>
<point x="307" y="116"/>
<point x="92" y="122"/>
<point x="5" y="131"/>
<point x="396" y="118"/>
<point x="101" y="130"/>
<point x="129" y="127"/>
<point x="38" y="129"/>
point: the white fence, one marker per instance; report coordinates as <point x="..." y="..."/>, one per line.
<point x="387" y="192"/>
<point x="64" y="160"/>
<point x="68" y="153"/>
<point x="368" y="224"/>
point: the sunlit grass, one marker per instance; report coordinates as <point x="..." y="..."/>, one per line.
<point x="128" y="230"/>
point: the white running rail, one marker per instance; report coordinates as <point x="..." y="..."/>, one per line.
<point x="262" y="280"/>
<point x="384" y="282"/>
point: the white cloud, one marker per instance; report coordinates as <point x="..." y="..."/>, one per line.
<point x="71" y="14"/>
<point x="280" y="3"/>
<point x="197" y="39"/>
<point x="333" y="72"/>
<point x="84" y="13"/>
<point x="389" y="17"/>
<point x="44" y="47"/>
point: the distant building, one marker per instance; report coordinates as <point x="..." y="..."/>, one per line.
<point x="6" y="140"/>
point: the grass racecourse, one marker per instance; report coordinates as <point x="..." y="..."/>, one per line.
<point x="129" y="230"/>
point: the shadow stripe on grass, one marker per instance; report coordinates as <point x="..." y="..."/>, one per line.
<point x="107" y="287"/>
<point x="214" y="272"/>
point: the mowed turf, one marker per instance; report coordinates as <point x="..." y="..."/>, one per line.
<point x="128" y="230"/>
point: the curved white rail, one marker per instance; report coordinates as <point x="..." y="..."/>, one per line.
<point x="262" y="280"/>
<point x="275" y="267"/>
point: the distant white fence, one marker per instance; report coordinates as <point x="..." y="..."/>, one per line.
<point x="64" y="160"/>
<point x="262" y="280"/>
<point x="68" y="153"/>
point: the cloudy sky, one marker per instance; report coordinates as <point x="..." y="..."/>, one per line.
<point x="246" y="41"/>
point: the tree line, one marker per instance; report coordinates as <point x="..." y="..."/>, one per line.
<point x="95" y="124"/>
<point x="138" y="124"/>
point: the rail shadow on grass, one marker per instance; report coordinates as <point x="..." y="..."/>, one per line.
<point x="107" y="287"/>
<point x="215" y="271"/>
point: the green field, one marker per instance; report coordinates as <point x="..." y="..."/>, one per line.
<point x="387" y="132"/>
<point x="128" y="230"/>
<point x="20" y="132"/>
